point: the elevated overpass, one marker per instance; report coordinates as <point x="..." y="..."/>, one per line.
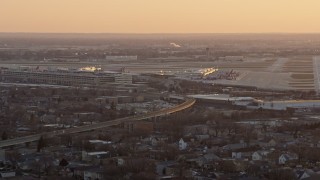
<point x="20" y="140"/>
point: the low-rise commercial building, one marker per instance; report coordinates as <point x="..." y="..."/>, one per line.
<point x="64" y="77"/>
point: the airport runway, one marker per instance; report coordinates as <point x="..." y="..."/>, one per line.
<point x="316" y="66"/>
<point x="277" y="65"/>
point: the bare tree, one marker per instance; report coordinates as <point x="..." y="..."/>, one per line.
<point x="4" y="135"/>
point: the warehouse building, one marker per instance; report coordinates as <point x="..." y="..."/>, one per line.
<point x="64" y="77"/>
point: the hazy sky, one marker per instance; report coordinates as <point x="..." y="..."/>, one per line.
<point x="160" y="16"/>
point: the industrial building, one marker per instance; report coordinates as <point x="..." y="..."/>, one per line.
<point x="223" y="99"/>
<point x="252" y="103"/>
<point x="64" y="77"/>
<point x="294" y="104"/>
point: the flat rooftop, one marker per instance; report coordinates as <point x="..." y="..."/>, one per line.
<point x="220" y="97"/>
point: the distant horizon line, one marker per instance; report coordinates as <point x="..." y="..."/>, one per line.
<point x="157" y="33"/>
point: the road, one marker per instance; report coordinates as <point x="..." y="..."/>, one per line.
<point x="10" y="142"/>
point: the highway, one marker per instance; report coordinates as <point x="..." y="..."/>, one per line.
<point x="10" y="142"/>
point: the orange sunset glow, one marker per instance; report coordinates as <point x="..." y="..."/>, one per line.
<point x="165" y="16"/>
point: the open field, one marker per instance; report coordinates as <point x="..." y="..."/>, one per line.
<point x="303" y="76"/>
<point x="301" y="69"/>
<point x="265" y="80"/>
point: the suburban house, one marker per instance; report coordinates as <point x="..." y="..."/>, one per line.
<point x="236" y="155"/>
<point x="259" y="155"/>
<point x="182" y="145"/>
<point x="283" y="158"/>
<point x="234" y="146"/>
<point x="268" y="143"/>
<point x="94" y="173"/>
